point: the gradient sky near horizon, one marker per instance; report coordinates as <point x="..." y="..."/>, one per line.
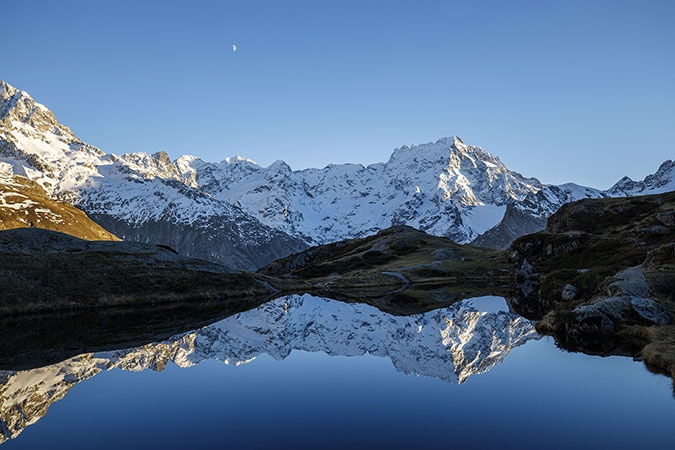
<point x="564" y="91"/>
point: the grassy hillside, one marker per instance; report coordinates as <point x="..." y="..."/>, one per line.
<point x="400" y="270"/>
<point x="588" y="240"/>
<point x="24" y="204"/>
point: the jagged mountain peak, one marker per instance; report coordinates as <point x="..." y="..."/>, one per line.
<point x="443" y="147"/>
<point x="13" y="98"/>
<point x="663" y="180"/>
<point x="8" y="91"/>
<point x="279" y="166"/>
<point x="19" y="111"/>
<point x="162" y="157"/>
<point x="238" y="160"/>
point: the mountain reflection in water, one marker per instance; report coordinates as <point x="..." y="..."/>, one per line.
<point x="450" y="344"/>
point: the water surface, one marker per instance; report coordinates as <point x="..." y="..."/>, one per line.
<point x="306" y="372"/>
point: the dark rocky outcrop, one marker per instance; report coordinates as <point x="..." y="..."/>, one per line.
<point x="515" y="223"/>
<point x="47" y="271"/>
<point x="618" y="255"/>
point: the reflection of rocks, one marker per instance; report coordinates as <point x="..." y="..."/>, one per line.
<point x="451" y="344"/>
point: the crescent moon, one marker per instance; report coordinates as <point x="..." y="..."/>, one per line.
<point x="234" y="48"/>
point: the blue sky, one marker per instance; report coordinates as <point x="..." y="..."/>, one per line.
<point x="564" y="91"/>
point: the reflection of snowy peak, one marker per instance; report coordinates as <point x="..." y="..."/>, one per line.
<point x="449" y="343"/>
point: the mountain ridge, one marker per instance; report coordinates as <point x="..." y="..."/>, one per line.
<point x="239" y="213"/>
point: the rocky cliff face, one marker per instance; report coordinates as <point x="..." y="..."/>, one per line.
<point x="451" y="344"/>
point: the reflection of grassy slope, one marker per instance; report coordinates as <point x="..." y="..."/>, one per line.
<point x="589" y="241"/>
<point x="416" y="298"/>
<point x="659" y="353"/>
<point x="28" y="341"/>
<point x="25" y="204"/>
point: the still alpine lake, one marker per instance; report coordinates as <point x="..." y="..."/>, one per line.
<point x="309" y="372"/>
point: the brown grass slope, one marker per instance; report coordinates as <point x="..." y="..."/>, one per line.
<point x="400" y="249"/>
<point x="23" y="203"/>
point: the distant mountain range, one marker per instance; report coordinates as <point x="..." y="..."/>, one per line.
<point x="241" y="214"/>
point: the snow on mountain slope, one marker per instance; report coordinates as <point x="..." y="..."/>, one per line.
<point x="530" y="214"/>
<point x="663" y="180"/>
<point x="450" y="344"/>
<point x="135" y="196"/>
<point x="445" y="188"/>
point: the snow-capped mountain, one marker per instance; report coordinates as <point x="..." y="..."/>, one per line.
<point x="467" y="338"/>
<point x="445" y="188"/>
<point x="240" y="213"/>
<point x="663" y="180"/>
<point x="135" y="196"/>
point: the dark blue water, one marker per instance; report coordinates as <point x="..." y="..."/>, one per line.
<point x="522" y="390"/>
